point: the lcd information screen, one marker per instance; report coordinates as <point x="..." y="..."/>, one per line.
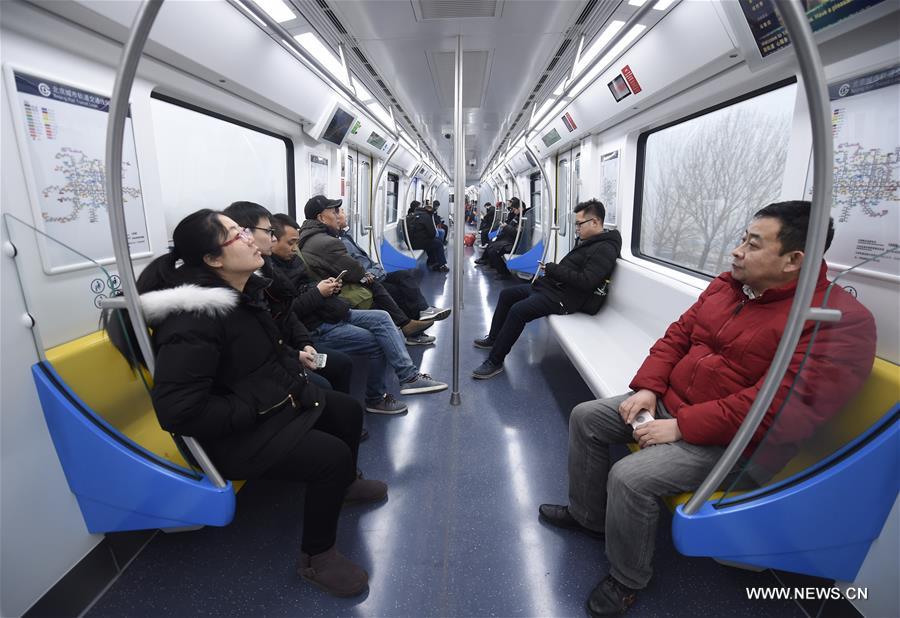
<point x="338" y="126"/>
<point x="551" y="138"/>
<point x="769" y="33"/>
<point x="619" y="88"/>
<point x="376" y="140"/>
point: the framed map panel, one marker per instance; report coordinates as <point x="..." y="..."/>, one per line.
<point x="61" y="131"/>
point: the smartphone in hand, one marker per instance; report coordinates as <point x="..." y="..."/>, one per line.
<point x="320" y="360"/>
<point x="340" y="277"/>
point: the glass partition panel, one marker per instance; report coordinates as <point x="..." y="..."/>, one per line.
<point x="562" y="195"/>
<point x="68" y="336"/>
<point x="536" y="204"/>
<point x="364" y="185"/>
<point x="350" y="195"/>
<point x="391" y="203"/>
<point x="829" y="396"/>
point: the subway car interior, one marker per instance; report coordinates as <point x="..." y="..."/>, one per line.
<point x="591" y="178"/>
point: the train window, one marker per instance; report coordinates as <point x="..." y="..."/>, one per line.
<point x="209" y="160"/>
<point x="363" y="193"/>
<point x="318" y="175"/>
<point x="700" y="179"/>
<point x="536" y="196"/>
<point x="393" y="185"/>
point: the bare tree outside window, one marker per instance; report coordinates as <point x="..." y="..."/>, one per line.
<point x="705" y="177"/>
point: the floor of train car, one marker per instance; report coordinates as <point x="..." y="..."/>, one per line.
<point x="459" y="534"/>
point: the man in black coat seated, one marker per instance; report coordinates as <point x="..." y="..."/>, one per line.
<point x="423" y="235"/>
<point x="503" y="243"/>
<point x="577" y="283"/>
<point x="487" y="222"/>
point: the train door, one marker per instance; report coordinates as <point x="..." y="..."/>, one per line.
<point x="568" y="189"/>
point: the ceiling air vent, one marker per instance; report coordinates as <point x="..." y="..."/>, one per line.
<point x="426" y="10"/>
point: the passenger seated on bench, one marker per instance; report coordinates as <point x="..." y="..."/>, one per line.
<point x="423" y="235"/>
<point x="224" y="377"/>
<point x="327" y="256"/>
<point x="439" y="226"/>
<point x="699" y="382"/>
<point x="401" y="284"/>
<point x="503" y="242"/>
<point x="332" y="323"/>
<point x="577" y="283"/>
<point x="280" y="295"/>
<point x="487" y="221"/>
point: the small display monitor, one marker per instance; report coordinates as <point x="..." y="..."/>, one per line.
<point x="619" y="88"/>
<point x="376" y="140"/>
<point x="337" y="127"/>
<point x="551" y="138"/>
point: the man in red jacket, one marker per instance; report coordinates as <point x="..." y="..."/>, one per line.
<point x="695" y="388"/>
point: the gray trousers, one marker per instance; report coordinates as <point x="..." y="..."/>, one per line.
<point x="623" y="500"/>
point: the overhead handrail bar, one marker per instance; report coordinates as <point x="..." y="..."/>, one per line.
<point x="816" y="89"/>
<point x="115" y="136"/>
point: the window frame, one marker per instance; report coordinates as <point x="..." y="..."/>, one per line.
<point x="637" y="213"/>
<point x="288" y="142"/>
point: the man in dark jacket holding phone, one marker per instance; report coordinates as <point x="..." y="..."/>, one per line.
<point x="577" y="283"/>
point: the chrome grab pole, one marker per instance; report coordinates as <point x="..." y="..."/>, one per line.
<point x="514" y="190"/>
<point x="459" y="186"/>
<point x="553" y="227"/>
<point x="373" y="193"/>
<point x="405" y="200"/>
<point x="115" y="136"/>
<point x="816" y="88"/>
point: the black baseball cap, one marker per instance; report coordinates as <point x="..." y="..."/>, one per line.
<point x="317" y="204"/>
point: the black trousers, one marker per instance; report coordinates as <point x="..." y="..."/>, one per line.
<point x="517" y="306"/>
<point x="484" y="235"/>
<point x="382" y="299"/>
<point x="405" y="291"/>
<point x="494" y="255"/>
<point x="338" y="370"/>
<point x="434" y="249"/>
<point x="326" y="460"/>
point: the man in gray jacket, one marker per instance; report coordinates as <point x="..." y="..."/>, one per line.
<point x="327" y="256"/>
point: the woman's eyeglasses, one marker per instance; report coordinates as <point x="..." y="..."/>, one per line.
<point x="268" y="230"/>
<point x="245" y="234"/>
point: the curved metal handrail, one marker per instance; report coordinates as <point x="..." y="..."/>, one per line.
<point x="816" y="89"/>
<point x="514" y="190"/>
<point x="373" y="193"/>
<point x="552" y="227"/>
<point x="405" y="200"/>
<point x="115" y="136"/>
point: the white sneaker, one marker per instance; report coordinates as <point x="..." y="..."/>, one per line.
<point x="420" y="339"/>
<point x="422" y="383"/>
<point x="434" y="313"/>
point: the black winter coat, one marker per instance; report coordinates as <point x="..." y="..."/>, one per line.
<point x="421" y="227"/>
<point x="487" y="219"/>
<point x="310" y="306"/>
<point x="225" y="376"/>
<point x="326" y="253"/>
<point x="578" y="281"/>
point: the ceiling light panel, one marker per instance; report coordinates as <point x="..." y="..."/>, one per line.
<point x="426" y="10"/>
<point x="276" y="9"/>
<point x="317" y="49"/>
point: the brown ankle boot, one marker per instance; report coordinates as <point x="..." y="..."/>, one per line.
<point x="363" y="491"/>
<point x="414" y="327"/>
<point x="333" y="572"/>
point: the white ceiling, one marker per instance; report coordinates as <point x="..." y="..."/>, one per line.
<point x="414" y="55"/>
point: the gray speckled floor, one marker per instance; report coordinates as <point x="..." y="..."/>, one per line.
<point x="459" y="534"/>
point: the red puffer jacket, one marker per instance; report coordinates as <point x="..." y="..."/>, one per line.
<point x="711" y="363"/>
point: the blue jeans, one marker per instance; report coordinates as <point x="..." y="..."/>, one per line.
<point x="372" y="334"/>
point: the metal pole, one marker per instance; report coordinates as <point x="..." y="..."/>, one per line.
<point x="816" y="88"/>
<point x="514" y="190"/>
<point x="459" y="184"/>
<point x="552" y="227"/>
<point x="373" y="193"/>
<point x="405" y="200"/>
<point x="115" y="136"/>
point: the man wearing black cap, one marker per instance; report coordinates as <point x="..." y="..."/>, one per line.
<point x="326" y="254"/>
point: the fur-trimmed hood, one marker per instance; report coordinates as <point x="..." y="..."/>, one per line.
<point x="214" y="302"/>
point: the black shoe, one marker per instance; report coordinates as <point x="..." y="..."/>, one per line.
<point x="486" y="370"/>
<point x="481" y="261"/>
<point x="610" y="598"/>
<point x="443" y="268"/>
<point x="485" y="344"/>
<point x="558" y="515"/>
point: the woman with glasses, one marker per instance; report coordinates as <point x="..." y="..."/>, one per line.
<point x="225" y="376"/>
